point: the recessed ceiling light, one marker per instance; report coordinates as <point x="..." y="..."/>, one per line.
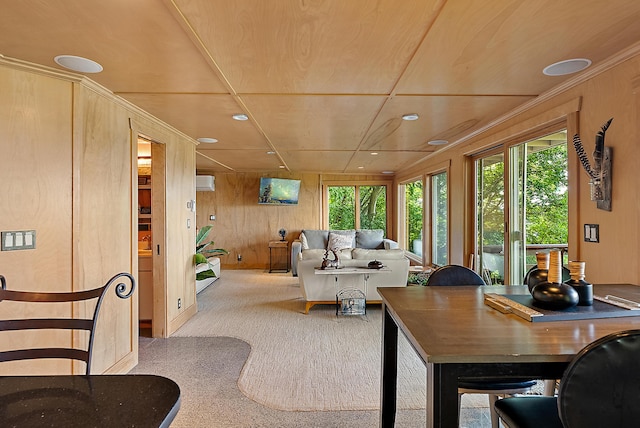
<point x="360" y="167"/>
<point x="240" y="116"/>
<point x="568" y="66"/>
<point x="271" y="152"/>
<point x="374" y="153"/>
<point x="207" y="140"/>
<point x="387" y="172"/>
<point x="281" y="166"/>
<point x="78" y="63"/>
<point x="437" y="142"/>
<point x="410" y="116"/>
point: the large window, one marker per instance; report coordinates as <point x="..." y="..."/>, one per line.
<point x="528" y="195"/>
<point x="426" y="226"/>
<point x="490" y="217"/>
<point x="413" y="216"/>
<point x="370" y="211"/>
<point x="439" y="219"/>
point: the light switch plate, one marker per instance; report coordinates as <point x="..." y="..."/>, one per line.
<point x="591" y="233"/>
<point x="18" y="240"/>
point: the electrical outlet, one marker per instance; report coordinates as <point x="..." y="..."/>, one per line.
<point x="239" y="257"/>
<point x="179" y="303"/>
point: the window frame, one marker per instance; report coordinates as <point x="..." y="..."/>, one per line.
<point x="388" y="184"/>
<point x="504" y="147"/>
<point x="427" y="213"/>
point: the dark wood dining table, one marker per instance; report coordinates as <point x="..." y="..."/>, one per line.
<point x="88" y="401"/>
<point x="456" y="335"/>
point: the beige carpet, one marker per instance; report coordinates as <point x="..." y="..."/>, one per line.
<point x="304" y="362"/>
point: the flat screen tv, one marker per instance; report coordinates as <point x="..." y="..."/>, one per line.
<point x="279" y="191"/>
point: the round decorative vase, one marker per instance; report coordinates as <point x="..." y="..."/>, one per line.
<point x="538" y="273"/>
<point x="553" y="294"/>
<point x="577" y="282"/>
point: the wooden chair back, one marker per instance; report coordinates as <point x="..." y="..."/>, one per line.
<point x="124" y="288"/>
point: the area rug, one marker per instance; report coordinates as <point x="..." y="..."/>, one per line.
<point x="300" y="362"/>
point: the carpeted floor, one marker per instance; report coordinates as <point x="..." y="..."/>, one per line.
<point x="288" y="369"/>
<point x="302" y="362"/>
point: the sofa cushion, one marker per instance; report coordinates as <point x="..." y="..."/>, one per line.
<point x="313" y="239"/>
<point x="315" y="253"/>
<point x="369" y="238"/>
<point x="365" y="254"/>
<point x="339" y="239"/>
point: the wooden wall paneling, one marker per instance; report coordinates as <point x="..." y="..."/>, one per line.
<point x="244" y="227"/>
<point x="36" y="190"/>
<point x="181" y="230"/>
<point x="576" y="183"/>
<point x="635" y="91"/>
<point x="103" y="236"/>
<point x="610" y="94"/>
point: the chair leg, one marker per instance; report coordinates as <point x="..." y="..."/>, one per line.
<point x="495" y="420"/>
<point x="550" y="387"/>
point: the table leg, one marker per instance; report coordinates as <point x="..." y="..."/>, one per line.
<point x="389" y="370"/>
<point x="442" y="396"/>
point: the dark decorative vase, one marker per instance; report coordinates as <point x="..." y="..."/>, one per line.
<point x="549" y="295"/>
<point x="538" y="273"/>
<point x="552" y="293"/>
<point x="577" y="282"/>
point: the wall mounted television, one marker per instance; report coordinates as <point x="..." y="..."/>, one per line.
<point x="278" y="191"/>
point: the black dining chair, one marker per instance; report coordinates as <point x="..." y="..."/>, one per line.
<point x="599" y="388"/>
<point x="459" y="275"/>
<point x="124" y="287"/>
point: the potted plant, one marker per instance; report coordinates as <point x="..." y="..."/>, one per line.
<point x="204" y="268"/>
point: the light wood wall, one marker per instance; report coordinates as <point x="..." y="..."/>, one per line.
<point x="583" y="108"/>
<point x="244" y="227"/>
<point x="68" y="173"/>
<point x="35" y="136"/>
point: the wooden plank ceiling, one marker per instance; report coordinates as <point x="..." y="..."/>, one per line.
<point x="324" y="83"/>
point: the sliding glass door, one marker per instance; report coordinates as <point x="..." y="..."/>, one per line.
<point x="490" y="218"/>
<point x="522" y="202"/>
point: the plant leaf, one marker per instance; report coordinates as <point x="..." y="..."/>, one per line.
<point x="205" y="274"/>
<point x="202" y="235"/>
<point x="199" y="258"/>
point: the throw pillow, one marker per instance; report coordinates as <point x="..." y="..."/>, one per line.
<point x="316" y="238"/>
<point x="303" y="241"/>
<point x="370" y="238"/>
<point x="340" y="240"/>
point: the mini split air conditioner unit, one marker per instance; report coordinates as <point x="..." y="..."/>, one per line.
<point x="205" y="183"/>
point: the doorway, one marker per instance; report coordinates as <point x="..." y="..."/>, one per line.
<point x="151" y="236"/>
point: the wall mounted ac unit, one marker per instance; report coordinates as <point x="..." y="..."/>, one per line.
<point x="205" y="183"/>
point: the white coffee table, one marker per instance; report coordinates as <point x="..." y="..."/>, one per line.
<point x="351" y="270"/>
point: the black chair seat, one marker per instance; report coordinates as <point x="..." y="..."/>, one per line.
<point x="532" y="412"/>
<point x="487" y="385"/>
<point x="599" y="388"/>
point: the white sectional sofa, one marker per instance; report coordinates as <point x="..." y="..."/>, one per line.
<point x="366" y="246"/>
<point x="318" y="239"/>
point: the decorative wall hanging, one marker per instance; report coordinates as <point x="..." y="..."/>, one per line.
<point x="600" y="175"/>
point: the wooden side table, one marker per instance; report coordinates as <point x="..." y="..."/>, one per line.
<point x="278" y="247"/>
